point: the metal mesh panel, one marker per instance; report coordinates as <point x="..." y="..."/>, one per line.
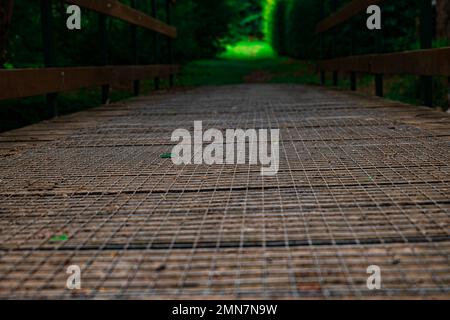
<point x="362" y="181"/>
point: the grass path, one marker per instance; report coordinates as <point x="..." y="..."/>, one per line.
<point x="246" y="61"/>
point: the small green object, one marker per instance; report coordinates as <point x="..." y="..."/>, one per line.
<point x="370" y="178"/>
<point x="166" y="156"/>
<point x="59" y="238"/>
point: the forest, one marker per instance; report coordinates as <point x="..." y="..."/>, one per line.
<point x="218" y="42"/>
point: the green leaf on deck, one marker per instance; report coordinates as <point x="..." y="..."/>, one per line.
<point x="166" y="156"/>
<point x="59" y="238"/>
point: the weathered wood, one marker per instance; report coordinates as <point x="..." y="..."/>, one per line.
<point x="426" y="42"/>
<point x="135" y="50"/>
<point x="114" y="8"/>
<point x="352" y="9"/>
<point x="431" y="62"/>
<point x="23" y="82"/>
<point x="104" y="52"/>
<point x="443" y="19"/>
<point x="362" y="181"/>
<point x="335" y="76"/>
<point x="156" y="47"/>
<point x="169" y="41"/>
<point x="6" y="10"/>
<point x="48" y="41"/>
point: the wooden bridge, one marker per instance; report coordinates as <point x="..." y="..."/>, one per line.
<point x="363" y="181"/>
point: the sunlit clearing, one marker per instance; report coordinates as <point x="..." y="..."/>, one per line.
<point x="248" y="50"/>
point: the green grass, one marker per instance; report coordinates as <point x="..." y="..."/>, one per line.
<point x="246" y="61"/>
<point x="225" y="71"/>
<point x="248" y="50"/>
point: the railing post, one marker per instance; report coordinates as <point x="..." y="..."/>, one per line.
<point x="49" y="48"/>
<point x="5" y="24"/>
<point x="103" y="33"/>
<point x="135" y="50"/>
<point x="155" y="42"/>
<point x="334" y="6"/>
<point x="426" y="42"/>
<point x="379" y="49"/>
<point x="353" y="79"/>
<point x="353" y="83"/>
<point x="322" y="51"/>
<point x="169" y="39"/>
<point x="448" y="92"/>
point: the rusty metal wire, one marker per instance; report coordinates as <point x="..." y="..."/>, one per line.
<point x="362" y="181"/>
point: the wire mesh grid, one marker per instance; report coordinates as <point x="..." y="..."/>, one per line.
<point x="357" y="186"/>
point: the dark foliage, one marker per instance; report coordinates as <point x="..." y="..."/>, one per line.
<point x="247" y="20"/>
<point x="300" y="22"/>
<point x="279" y="35"/>
<point x="293" y="29"/>
<point x="201" y="25"/>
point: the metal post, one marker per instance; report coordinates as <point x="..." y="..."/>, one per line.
<point x="135" y="50"/>
<point x="155" y="42"/>
<point x="353" y="79"/>
<point x="169" y="40"/>
<point x="322" y="51"/>
<point x="103" y="30"/>
<point x="379" y="85"/>
<point x="379" y="49"/>
<point x="448" y="92"/>
<point x="334" y="5"/>
<point x="353" y="82"/>
<point x="426" y="42"/>
<point x="49" y="48"/>
<point x="5" y="23"/>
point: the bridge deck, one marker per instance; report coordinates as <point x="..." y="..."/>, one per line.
<point x="362" y="181"/>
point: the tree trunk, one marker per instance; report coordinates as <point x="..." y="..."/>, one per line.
<point x="443" y="19"/>
<point x="6" y="9"/>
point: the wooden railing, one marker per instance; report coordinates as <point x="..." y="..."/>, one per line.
<point x="425" y="63"/>
<point x="19" y="83"/>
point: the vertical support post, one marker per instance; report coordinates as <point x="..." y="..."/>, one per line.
<point x="48" y="42"/>
<point x="155" y="42"/>
<point x="169" y="40"/>
<point x="322" y="44"/>
<point x="379" y="85"/>
<point x="334" y="4"/>
<point x="426" y="42"/>
<point x="5" y="23"/>
<point x="353" y="82"/>
<point x="104" y="59"/>
<point x="353" y="79"/>
<point x="379" y="49"/>
<point x="448" y="91"/>
<point x="135" y="51"/>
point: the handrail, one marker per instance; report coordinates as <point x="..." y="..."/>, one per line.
<point x="430" y="62"/>
<point x="345" y="13"/>
<point x="19" y="83"/>
<point x="115" y="9"/>
<point x="426" y="62"/>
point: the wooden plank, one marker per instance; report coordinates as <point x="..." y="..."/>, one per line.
<point x="21" y="83"/>
<point x="430" y="62"/>
<point x="350" y="10"/>
<point x="114" y="8"/>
